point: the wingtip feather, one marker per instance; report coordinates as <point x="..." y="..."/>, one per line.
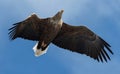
<point x="11" y="33"/>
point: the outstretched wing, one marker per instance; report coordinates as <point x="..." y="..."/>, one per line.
<point x="82" y="40"/>
<point x="30" y="29"/>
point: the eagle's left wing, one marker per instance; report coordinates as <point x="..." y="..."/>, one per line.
<point x="30" y="28"/>
<point x="82" y="40"/>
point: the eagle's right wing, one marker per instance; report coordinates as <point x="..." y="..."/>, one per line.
<point x="30" y="29"/>
<point x="82" y="40"/>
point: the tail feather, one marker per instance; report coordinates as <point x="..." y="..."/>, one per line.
<point x="39" y="52"/>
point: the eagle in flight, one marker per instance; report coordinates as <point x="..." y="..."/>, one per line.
<point x="78" y="39"/>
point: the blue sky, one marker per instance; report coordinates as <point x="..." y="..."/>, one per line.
<point x="17" y="57"/>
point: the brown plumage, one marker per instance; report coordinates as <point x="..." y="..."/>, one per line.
<point x="74" y="38"/>
<point x="82" y="40"/>
<point x="34" y="28"/>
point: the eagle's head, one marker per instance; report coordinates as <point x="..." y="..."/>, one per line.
<point x="57" y="18"/>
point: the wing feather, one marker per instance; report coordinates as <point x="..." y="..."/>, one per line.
<point x="30" y="29"/>
<point x="82" y="40"/>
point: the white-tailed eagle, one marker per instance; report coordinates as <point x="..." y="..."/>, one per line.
<point x="53" y="30"/>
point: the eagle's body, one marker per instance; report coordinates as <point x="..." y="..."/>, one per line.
<point x="48" y="34"/>
<point x="52" y="30"/>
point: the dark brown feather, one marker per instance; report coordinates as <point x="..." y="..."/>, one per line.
<point x="82" y="40"/>
<point x="30" y="29"/>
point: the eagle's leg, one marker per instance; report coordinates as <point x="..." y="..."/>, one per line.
<point x="38" y="50"/>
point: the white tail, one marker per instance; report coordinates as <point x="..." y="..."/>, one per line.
<point x="39" y="52"/>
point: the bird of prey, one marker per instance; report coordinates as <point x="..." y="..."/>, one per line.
<point x="78" y="39"/>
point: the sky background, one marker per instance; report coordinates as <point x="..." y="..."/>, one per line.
<point x="17" y="57"/>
